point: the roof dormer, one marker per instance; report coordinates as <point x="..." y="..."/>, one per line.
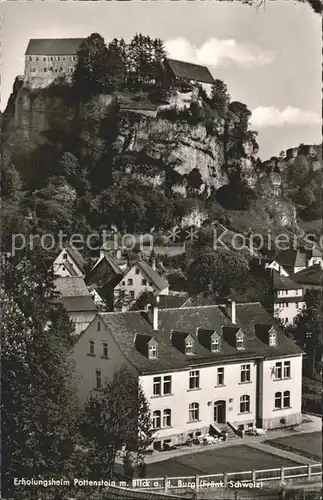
<point x="267" y="334"/>
<point x="146" y="345"/>
<point x="210" y="339"/>
<point x="272" y="337"/>
<point x="183" y="341"/>
<point x="240" y="340"/>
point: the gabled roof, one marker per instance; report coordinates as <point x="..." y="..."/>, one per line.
<point x="122" y="327"/>
<point x="311" y="276"/>
<point x="284" y="282"/>
<point x="157" y="281"/>
<point x="165" y="301"/>
<point x="71" y="286"/>
<point x="291" y="258"/>
<point x="113" y="263"/>
<point x="53" y="46"/>
<point x="189" y="71"/>
<point x="78" y="304"/>
<point x="69" y="268"/>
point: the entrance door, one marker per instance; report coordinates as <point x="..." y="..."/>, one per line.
<point x="219" y="412"/>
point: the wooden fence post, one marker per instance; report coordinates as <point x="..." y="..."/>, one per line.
<point x="254" y="475"/>
<point x="165" y="483"/>
<point x="225" y="478"/>
<point x="282" y="473"/>
<point x="197" y="483"/>
<point x="309" y="471"/>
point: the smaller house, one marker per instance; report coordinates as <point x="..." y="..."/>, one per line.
<point x="76" y="299"/>
<point x="69" y="262"/>
<point x="172" y="300"/>
<point x="177" y="71"/>
<point x="289" y="298"/>
<point x="310" y="278"/>
<point x="288" y="262"/>
<point x="138" y="279"/>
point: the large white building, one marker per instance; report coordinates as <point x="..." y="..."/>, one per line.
<point x="225" y="367"/>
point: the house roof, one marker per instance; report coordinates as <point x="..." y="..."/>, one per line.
<point x="284" y="282"/>
<point x="71" y="286"/>
<point x="53" y="46"/>
<point x="78" y="304"/>
<point x="291" y="258"/>
<point x="165" y="301"/>
<point x="112" y="261"/>
<point x="190" y="71"/>
<point x="69" y="267"/>
<point x="77" y="257"/>
<point x="311" y="276"/>
<point x="158" y="281"/>
<point x="123" y="327"/>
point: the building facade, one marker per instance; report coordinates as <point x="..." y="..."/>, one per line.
<point x="47" y="59"/>
<point x="200" y="367"/>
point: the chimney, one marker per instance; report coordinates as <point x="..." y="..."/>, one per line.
<point x="155" y="313"/>
<point x="231" y="310"/>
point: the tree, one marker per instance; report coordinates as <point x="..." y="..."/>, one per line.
<point x="119" y="417"/>
<point x="308" y="328"/>
<point x="299" y="171"/>
<point x="216" y="272"/>
<point x="39" y="407"/>
<point x="220" y="98"/>
<point x="91" y="74"/>
<point x="194" y="179"/>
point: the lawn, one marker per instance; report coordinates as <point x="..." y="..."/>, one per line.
<point x="309" y="445"/>
<point x="230" y="459"/>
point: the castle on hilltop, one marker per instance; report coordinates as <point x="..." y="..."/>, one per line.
<point x="48" y="58"/>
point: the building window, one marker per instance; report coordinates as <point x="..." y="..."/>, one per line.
<point x="296" y="292"/>
<point x="30" y="58"/>
<point x="44" y="58"/>
<point x="61" y="69"/>
<point x="245" y="373"/>
<point x="220" y="376"/>
<point x="144" y="282"/>
<point x="98" y="379"/>
<point x="51" y="58"/>
<point x="194" y="379"/>
<point x="132" y="294"/>
<point x="45" y="70"/>
<point x="157" y="386"/>
<point x="167" y="418"/>
<point x="157" y="419"/>
<point x="55" y="70"/>
<point x="64" y="256"/>
<point x="50" y="68"/>
<point x="137" y="271"/>
<point x="189" y="347"/>
<point x="58" y="58"/>
<point x="278" y="370"/>
<point x="74" y="58"/>
<point x="98" y="326"/>
<point x="33" y="70"/>
<point x="215" y="344"/>
<point x="272" y="339"/>
<point x="245" y="404"/>
<point x="37" y="58"/>
<point x="193" y="412"/>
<point x="123" y="283"/>
<point x="105" y="349"/>
<point x="286" y="399"/>
<point x="130" y="281"/>
<point x="63" y="58"/>
<point x="167" y="384"/>
<point x="286" y="369"/>
<point x="152" y="354"/>
<point x="278" y="400"/>
<point x="240" y="342"/>
<point x="91" y="347"/>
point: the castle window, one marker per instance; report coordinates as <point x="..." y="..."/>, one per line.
<point x="30" y="58"/>
<point x="44" y="58"/>
<point x="45" y="70"/>
<point x="33" y="70"/>
<point x="58" y="58"/>
<point x="61" y="69"/>
<point x="51" y="58"/>
<point x="144" y="282"/>
<point x="37" y="58"/>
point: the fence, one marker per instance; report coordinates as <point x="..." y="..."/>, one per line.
<point x="198" y="483"/>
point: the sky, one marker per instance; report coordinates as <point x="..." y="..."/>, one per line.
<point x="269" y="57"/>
